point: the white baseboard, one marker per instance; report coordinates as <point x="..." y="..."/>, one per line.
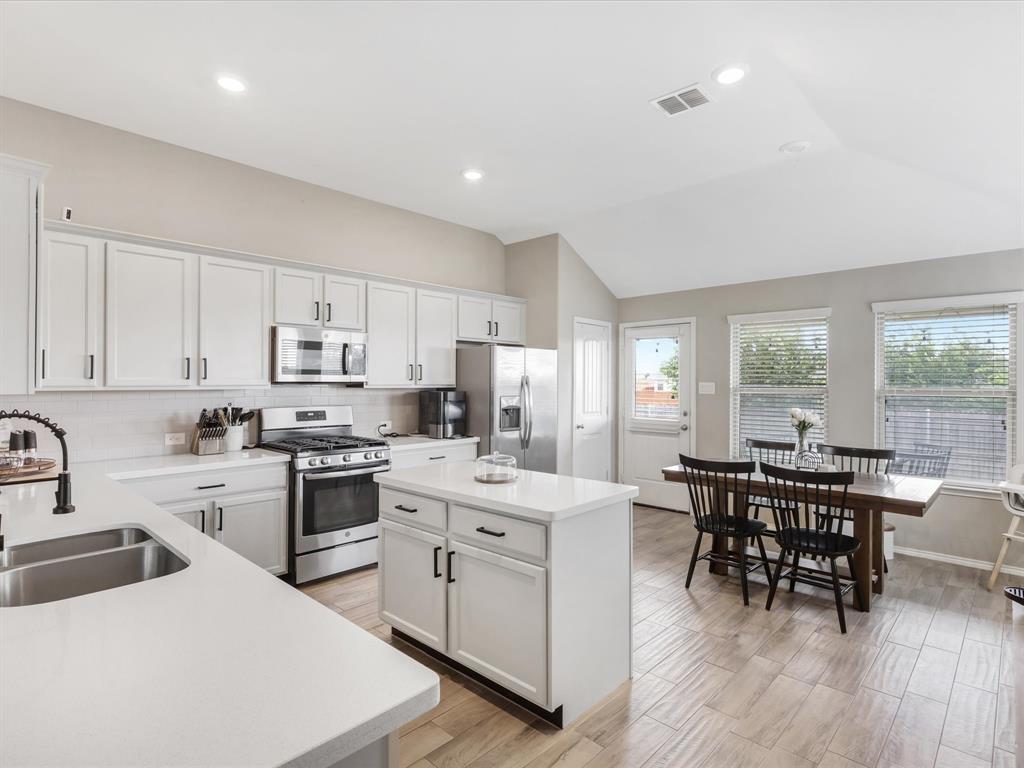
<point x="981" y="565"/>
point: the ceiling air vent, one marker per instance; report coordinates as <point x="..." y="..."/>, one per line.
<point x="682" y="100"/>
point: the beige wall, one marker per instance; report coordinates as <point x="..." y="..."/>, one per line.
<point x="531" y="271"/>
<point x="128" y="182"/>
<point x="958" y="525"/>
<point x="581" y="294"/>
<point x="560" y="286"/>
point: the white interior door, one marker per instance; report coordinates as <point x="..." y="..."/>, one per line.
<point x="657" y="364"/>
<point x="591" y="438"/>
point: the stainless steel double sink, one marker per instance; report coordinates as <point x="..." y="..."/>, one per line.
<point x="56" y="569"/>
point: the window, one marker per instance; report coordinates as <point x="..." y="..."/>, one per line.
<point x="947" y="385"/>
<point x="779" y="361"/>
<point x="656" y="378"/>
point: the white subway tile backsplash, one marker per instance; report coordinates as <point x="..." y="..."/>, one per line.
<point x="103" y="425"/>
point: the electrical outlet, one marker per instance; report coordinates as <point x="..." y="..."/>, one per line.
<point x="384" y="426"/>
<point x="66" y="214"/>
<point x="174" y="438"/>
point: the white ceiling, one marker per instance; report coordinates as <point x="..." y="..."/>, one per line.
<point x="915" y="111"/>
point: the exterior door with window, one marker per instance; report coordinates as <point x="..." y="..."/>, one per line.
<point x="657" y="366"/>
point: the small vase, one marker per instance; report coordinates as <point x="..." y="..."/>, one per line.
<point x="804" y="457"/>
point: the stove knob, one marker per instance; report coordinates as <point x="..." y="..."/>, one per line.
<point x="347" y="457"/>
<point x="378" y="455"/>
<point x="325" y="460"/>
<point x="312" y="462"/>
<point x="367" y="455"/>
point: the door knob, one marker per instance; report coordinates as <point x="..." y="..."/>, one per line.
<point x="684" y="427"/>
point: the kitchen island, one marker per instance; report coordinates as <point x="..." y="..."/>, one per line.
<point x="525" y="586"/>
<point x="219" y="663"/>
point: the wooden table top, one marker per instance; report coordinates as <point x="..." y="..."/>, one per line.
<point x="900" y="494"/>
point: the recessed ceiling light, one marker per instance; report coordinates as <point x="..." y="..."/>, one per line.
<point x="794" y="147"/>
<point x="472" y="174"/>
<point x="730" y="74"/>
<point x="230" y="83"/>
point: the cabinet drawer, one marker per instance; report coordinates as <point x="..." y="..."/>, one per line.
<point x="200" y="485"/>
<point x="434" y="454"/>
<point x="413" y="510"/>
<point x="497" y="532"/>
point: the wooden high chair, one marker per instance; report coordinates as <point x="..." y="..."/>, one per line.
<point x="1013" y="499"/>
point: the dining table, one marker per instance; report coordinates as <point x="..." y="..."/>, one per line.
<point x="868" y="499"/>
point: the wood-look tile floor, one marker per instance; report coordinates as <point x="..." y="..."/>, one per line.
<point x="923" y="680"/>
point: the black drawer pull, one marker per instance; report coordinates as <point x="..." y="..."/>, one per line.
<point x="202" y="520"/>
<point x="401" y="508"/>
<point x="499" y="534"/>
<point x="437" y="458"/>
<point x="437" y="572"/>
<point x="220" y="520"/>
<point x="208" y="487"/>
<point x="450" y="579"/>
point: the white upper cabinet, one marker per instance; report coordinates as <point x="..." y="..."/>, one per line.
<point x="344" y="303"/>
<point x="234" y="323"/>
<point x="436" y="321"/>
<point x="151" y="317"/>
<point x="20" y="202"/>
<point x="483" y="319"/>
<point x="508" y="321"/>
<point x="298" y="297"/>
<point x="69" y="353"/>
<point x="391" y="335"/>
<point x="475" y="319"/>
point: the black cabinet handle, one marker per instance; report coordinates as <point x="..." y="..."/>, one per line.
<point x="436" y="458"/>
<point x="328" y="311"/>
<point x="92" y="366"/>
<point x="202" y="521"/>
<point x="498" y="534"/>
<point x="411" y="377"/>
<point x="495" y="327"/>
<point x="450" y="579"/>
<point x="205" y="371"/>
<point x="420" y="367"/>
<point x="208" y="487"/>
<point x="188" y="368"/>
<point x="401" y="508"/>
<point x="220" y="521"/>
<point x="316" y="310"/>
<point x="437" y="571"/>
<point x="44" y="364"/>
<point x="489" y="328"/>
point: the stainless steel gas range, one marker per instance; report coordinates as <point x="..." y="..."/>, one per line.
<point x="333" y="505"/>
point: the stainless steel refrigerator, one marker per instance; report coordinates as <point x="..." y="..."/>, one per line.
<point x="512" y="401"/>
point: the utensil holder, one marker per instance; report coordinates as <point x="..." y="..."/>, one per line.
<point x="234" y="438"/>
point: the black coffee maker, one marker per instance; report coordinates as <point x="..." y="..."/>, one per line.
<point x="443" y="413"/>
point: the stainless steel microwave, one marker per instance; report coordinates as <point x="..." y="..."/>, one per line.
<point x="318" y="355"/>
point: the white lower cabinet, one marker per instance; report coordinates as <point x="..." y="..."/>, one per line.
<point x="497" y="619"/>
<point x="413" y="593"/>
<point x="193" y="514"/>
<point x="256" y="527"/>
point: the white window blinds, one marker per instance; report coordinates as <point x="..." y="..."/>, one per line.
<point x="947" y="389"/>
<point x="779" y="361"/>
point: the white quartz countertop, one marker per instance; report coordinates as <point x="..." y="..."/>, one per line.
<point x="534" y="495"/>
<point x="414" y="442"/>
<point x="219" y="664"/>
<point x="180" y="463"/>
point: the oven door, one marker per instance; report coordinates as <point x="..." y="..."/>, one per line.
<point x="333" y="508"/>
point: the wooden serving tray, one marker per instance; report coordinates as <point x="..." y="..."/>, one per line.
<point x="39" y="471"/>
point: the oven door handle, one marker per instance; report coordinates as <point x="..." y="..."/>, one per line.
<point x="345" y="473"/>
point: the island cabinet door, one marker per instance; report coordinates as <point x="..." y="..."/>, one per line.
<point x="412" y="583"/>
<point x="497" y="620"/>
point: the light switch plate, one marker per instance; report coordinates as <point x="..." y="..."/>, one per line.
<point x="706" y="388"/>
<point x="174" y="438"/>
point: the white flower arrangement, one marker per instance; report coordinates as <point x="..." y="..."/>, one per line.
<point x="803" y="421"/>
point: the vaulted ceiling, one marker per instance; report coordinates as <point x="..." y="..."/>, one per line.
<point x="914" y="111"/>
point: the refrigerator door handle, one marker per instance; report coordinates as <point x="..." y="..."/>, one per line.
<point x="522" y="412"/>
<point x="528" y="403"/>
